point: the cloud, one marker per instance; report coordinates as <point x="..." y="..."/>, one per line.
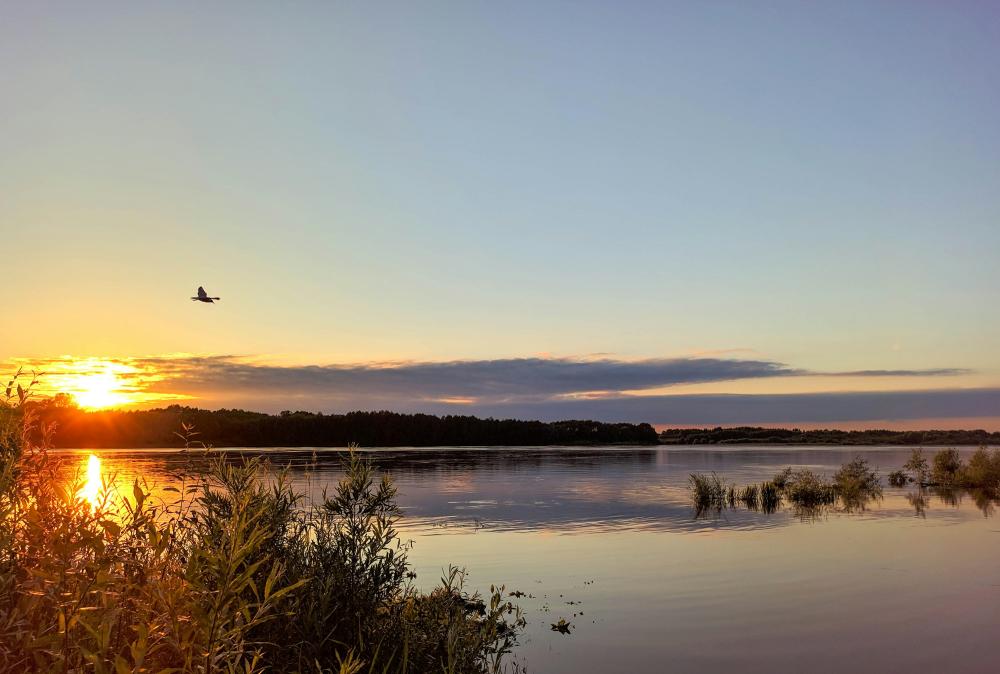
<point x="555" y="388"/>
<point x="480" y="380"/>
<point x="545" y="388"/>
<point x="755" y="409"/>
<point x="932" y="372"/>
<point x="472" y="381"/>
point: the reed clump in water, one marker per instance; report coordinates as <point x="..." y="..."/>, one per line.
<point x="854" y="485"/>
<point x="708" y="491"/>
<point x="806" y="488"/>
<point x="237" y="574"/>
<point x="770" y="497"/>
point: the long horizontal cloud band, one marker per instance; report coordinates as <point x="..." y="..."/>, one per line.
<point x="711" y="410"/>
<point x="540" y="388"/>
<point x="479" y="381"/>
<point x="489" y="379"/>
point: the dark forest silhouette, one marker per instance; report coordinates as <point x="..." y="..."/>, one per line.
<point x="239" y="428"/>
<point x="785" y="436"/>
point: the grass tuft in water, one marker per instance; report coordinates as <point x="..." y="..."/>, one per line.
<point x="708" y="491"/>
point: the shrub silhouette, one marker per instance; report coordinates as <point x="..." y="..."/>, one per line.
<point x="236" y="574"/>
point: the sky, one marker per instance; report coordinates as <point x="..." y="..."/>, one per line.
<point x="684" y="213"/>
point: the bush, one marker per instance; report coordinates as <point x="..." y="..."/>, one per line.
<point x="947" y="468"/>
<point x="983" y="472"/>
<point x="856" y="482"/>
<point x="236" y="575"/>
<point x="805" y="488"/>
<point x="917" y="467"/>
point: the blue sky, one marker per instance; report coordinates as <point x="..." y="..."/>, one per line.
<point x="811" y="184"/>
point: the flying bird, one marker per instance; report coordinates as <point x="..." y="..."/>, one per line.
<point x="203" y="296"/>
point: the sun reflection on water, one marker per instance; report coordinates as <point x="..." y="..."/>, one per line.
<point x="93" y="486"/>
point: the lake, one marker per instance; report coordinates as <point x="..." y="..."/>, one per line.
<point x="607" y="539"/>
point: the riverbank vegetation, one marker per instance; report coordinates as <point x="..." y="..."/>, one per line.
<point x="237" y="574"/>
<point x="239" y="428"/>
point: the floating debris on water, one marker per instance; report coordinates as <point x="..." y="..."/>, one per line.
<point x="562" y="626"/>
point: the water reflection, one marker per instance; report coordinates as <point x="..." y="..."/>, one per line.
<point x="918" y="499"/>
<point x="562" y="489"/>
<point x="92" y="482"/>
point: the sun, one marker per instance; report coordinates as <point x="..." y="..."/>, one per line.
<point x="98" y="390"/>
<point x="102" y="383"/>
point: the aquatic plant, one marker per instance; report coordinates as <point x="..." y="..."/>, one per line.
<point x="983" y="472"/>
<point x="805" y="488"/>
<point x="236" y="574"/>
<point x="749" y="496"/>
<point x="917" y="466"/>
<point x="856" y="483"/>
<point x="947" y="468"/>
<point x="781" y="478"/>
<point x="770" y="497"/>
<point x="898" y="478"/>
<point x="708" y="491"/>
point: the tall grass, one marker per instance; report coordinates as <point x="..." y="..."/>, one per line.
<point x="237" y="574"/>
<point x="708" y="491"/>
<point x="853" y="486"/>
<point x="856" y="484"/>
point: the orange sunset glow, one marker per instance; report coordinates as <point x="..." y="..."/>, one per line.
<point x="99" y="383"/>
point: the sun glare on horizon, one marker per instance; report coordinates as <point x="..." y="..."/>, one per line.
<point x="100" y="384"/>
<point x="99" y="391"/>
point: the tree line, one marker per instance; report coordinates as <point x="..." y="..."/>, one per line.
<point x="794" y="436"/>
<point x="240" y="428"/>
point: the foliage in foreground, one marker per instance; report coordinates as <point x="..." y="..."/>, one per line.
<point x="235" y="575"/>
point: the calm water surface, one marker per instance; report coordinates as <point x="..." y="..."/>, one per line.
<point x="606" y="538"/>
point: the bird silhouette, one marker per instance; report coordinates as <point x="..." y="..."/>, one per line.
<point x="203" y="296"/>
